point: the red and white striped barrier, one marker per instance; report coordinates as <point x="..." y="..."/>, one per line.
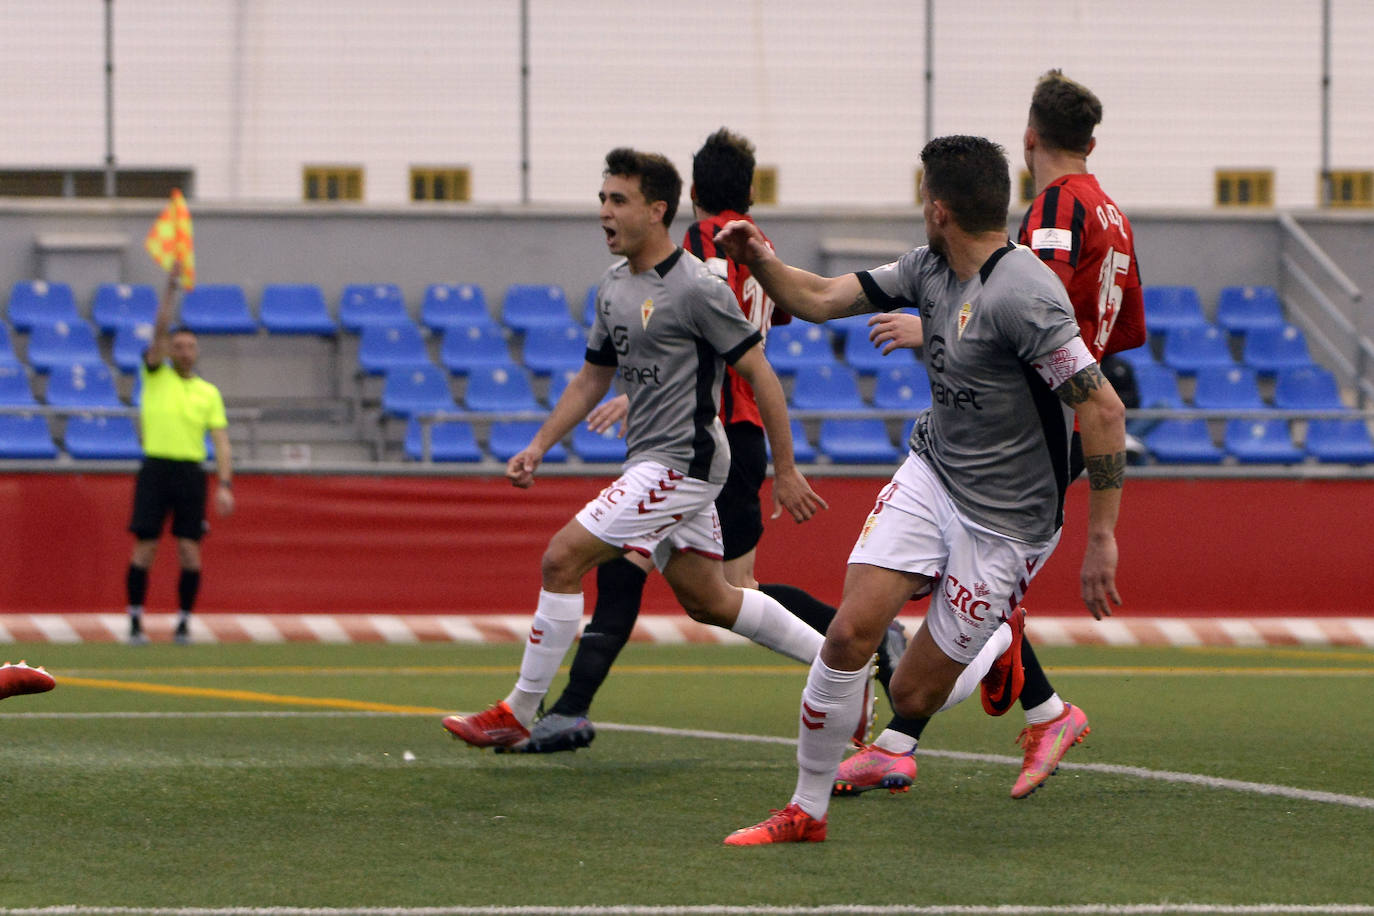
<point x="662" y="629"/>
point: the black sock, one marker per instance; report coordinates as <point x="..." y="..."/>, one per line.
<point x="619" y="588"/>
<point x="911" y="727"/>
<point x="814" y="613"/>
<point x="1037" y="687"/>
<point x="187" y="588"/>
<point x="136" y="585"/>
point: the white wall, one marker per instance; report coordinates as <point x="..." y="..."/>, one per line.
<point x="246" y="91"/>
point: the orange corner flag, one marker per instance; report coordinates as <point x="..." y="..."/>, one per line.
<point x="171" y="242"/>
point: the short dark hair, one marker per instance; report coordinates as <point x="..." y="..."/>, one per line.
<point x="180" y="329"/>
<point x="970" y="175"/>
<point x="658" y="178"/>
<point x="723" y="172"/>
<point x="1064" y="112"/>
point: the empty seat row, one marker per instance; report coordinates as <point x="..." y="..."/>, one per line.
<point x="1260" y="442"/>
<point x="1239" y="308"/>
<point x="1237" y="388"/>
<point x="1188" y="349"/>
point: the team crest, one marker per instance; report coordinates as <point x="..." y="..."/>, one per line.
<point x="965" y="313"/>
<point x="645" y="311"/>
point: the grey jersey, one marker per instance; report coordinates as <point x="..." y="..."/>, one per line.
<point x="996" y="434"/>
<point x="670" y="331"/>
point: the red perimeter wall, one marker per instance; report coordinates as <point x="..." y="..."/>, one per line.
<point x="456" y="545"/>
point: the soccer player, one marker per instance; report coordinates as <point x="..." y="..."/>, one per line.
<point x="22" y="678"/>
<point x="976" y="510"/>
<point x="667" y="327"/>
<point x="1076" y="229"/>
<point x="177" y="408"/>
<point x="721" y="191"/>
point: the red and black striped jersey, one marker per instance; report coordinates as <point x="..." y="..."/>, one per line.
<point x="1080" y="233"/>
<point x="737" y="404"/>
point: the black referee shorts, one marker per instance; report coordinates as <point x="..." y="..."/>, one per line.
<point x="741" y="515"/>
<point x="165" y="486"/>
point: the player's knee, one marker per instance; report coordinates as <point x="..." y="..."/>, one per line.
<point x="557" y="569"/>
<point x="914" y="701"/>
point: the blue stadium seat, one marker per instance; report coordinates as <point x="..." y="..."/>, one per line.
<point x="902" y="388"/>
<point x="803" y="452"/>
<point x="1307" y="388"/>
<point x="550" y="350"/>
<point x="118" y="304"/>
<point x="1158" y="386"/>
<point x="465" y="348"/>
<point x="1236" y="388"/>
<point x="502" y="388"/>
<point x="296" y="308"/>
<point x="1241" y="309"/>
<point x="826" y="388"/>
<point x="508" y="438"/>
<point x="217" y="308"/>
<point x="799" y="345"/>
<point x="1188" y="349"/>
<point x="1138" y="356"/>
<point x="1183" y="442"/>
<point x="15" y="390"/>
<point x="1272" y="349"/>
<point x="857" y="442"/>
<point x="62" y="344"/>
<point x="604" y="448"/>
<point x="847" y="327"/>
<point x="448" y="304"/>
<point x="130" y="341"/>
<point x="7" y="355"/>
<point x="416" y="390"/>
<point x="862" y="356"/>
<point x="1262" y="442"/>
<point x="1168" y="308"/>
<point x="371" y="303"/>
<point x="38" y="302"/>
<point x="1343" y="441"/>
<point x="82" y="385"/>
<point x="383" y="347"/>
<point x="25" y="436"/>
<point x="449" y="440"/>
<point x="529" y="306"/>
<point x="589" y="305"/>
<point x="102" y="438"/>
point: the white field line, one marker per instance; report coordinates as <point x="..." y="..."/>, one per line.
<point x="1194" y="779"/>
<point x="1083" y="909"/>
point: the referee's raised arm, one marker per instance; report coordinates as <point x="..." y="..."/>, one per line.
<point x="160" y="347"/>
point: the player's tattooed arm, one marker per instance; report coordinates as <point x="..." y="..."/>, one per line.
<point x="1106" y="472"/>
<point x="860" y="305"/>
<point x="1081" y="385"/>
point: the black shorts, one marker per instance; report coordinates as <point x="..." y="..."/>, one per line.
<point x="741" y="516"/>
<point x="164" y="486"/>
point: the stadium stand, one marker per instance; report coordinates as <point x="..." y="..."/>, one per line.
<point x="217" y="308"/>
<point x="82" y="385"/>
<point x="1234" y="388"/>
<point x="36" y="302"/>
<point x="499" y="389"/>
<point x="1306" y="388"/>
<point x="118" y="305"/>
<point x="799" y="345"/>
<point x="862" y="356"/>
<point x="527" y="306"/>
<point x="1192" y="347"/>
<point x="416" y="390"/>
<point x="1345" y="441"/>
<point x="130" y="340"/>
<point x="902" y="388"/>
<point x="1157" y="386"/>
<point x="469" y="347"/>
<point x="1271" y="349"/>
<point x="383" y="347"/>
<point x="62" y="344"/>
<point x="7" y="354"/>
<point x="296" y="308"/>
<point x="857" y="442"/>
<point x="101" y="438"/>
<point x="508" y="438"/>
<point x="826" y="388"/>
<point x="449" y="305"/>
<point x="1183" y="442"/>
<point x="596" y="447"/>
<point x="362" y="304"/>
<point x="15" y="390"/>
<point x="1241" y="309"/>
<point x="25" y="436"/>
<point x="450" y="440"/>
<point x="1168" y="308"/>
<point x="1261" y="442"/>
<point x="554" y="349"/>
<point x="589" y="305"/>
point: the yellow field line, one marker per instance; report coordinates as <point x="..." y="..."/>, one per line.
<point x="247" y="696"/>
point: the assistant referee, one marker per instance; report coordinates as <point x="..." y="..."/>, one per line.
<point x="177" y="408"/>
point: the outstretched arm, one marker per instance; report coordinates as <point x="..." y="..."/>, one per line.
<point x="160" y="347"/>
<point x="798" y="291"/>
<point x="1102" y="425"/>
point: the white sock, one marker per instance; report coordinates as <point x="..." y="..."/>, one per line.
<point x="978" y="669"/>
<point x="830" y="709"/>
<point x="895" y="742"/>
<point x="772" y="626"/>
<point x="1047" y="711"/>
<point x="551" y="633"/>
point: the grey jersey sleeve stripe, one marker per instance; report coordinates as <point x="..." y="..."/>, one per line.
<point x="742" y="348"/>
<point x="881" y="300"/>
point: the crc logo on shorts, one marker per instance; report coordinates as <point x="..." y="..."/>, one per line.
<point x="964" y="602"/>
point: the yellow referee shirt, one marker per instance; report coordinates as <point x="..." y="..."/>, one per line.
<point x="176" y="412"/>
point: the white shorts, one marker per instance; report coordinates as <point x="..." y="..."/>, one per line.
<point x="981" y="575"/>
<point x="654" y="510"/>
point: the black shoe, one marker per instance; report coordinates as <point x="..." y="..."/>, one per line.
<point x="136" y="634"/>
<point x="182" y="634"/>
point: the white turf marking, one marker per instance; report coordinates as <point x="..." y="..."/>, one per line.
<point x="1111" y="769"/>
<point x="1082" y="909"/>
